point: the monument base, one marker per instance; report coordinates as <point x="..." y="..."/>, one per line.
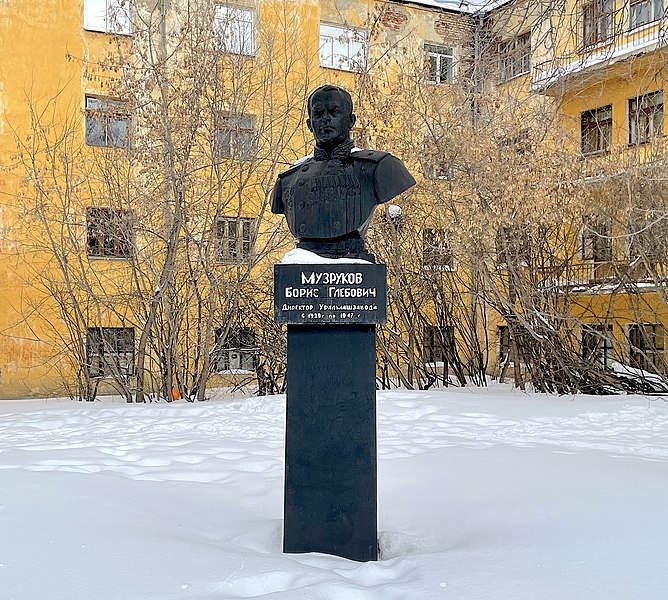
<point x="330" y="445"/>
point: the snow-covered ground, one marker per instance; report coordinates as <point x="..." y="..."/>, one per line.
<point x="483" y="495"/>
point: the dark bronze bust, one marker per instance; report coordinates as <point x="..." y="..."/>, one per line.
<point x="328" y="198"/>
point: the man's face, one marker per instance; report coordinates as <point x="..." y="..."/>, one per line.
<point x="329" y="120"/>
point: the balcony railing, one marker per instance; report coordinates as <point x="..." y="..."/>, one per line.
<point x="605" y="276"/>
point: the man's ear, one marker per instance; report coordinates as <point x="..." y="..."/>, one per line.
<point x="353" y="120"/>
<point x="308" y="124"/>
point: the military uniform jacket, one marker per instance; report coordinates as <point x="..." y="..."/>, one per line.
<point x="335" y="198"/>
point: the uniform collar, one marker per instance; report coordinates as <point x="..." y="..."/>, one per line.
<point x="341" y="152"/>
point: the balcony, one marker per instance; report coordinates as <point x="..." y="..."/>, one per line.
<point x="604" y="277"/>
<point x="581" y="66"/>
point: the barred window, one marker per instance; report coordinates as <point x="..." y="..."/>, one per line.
<point x="110" y="351"/>
<point x="515" y="57"/>
<point x="108" y="233"/>
<point x="237" y="350"/>
<point x="235" y="236"/>
<point x="436" y="253"/>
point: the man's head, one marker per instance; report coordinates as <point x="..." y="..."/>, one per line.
<point x="330" y="110"/>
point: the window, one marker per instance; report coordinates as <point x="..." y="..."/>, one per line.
<point x="645" y="117"/>
<point x="236" y="351"/>
<point x="646" y="345"/>
<point x="342" y="47"/>
<point x="235" y="137"/>
<point x="503" y="336"/>
<point x="596" y="243"/>
<point x="108" y="233"/>
<point x="513" y="247"/>
<point x="515" y="57"/>
<point x="110" y="351"/>
<point x="596" y="130"/>
<point x="107" y="16"/>
<point x="598" y="21"/>
<point x="439" y="343"/>
<point x="234" y="29"/>
<point x="440" y="61"/>
<point x="647" y="236"/>
<point x="106" y="122"/>
<point x="235" y="239"/>
<point x="436" y="253"/>
<point x="645" y="11"/>
<point x="596" y="344"/>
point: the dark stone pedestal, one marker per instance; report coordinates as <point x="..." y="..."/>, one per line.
<point x="330" y="445"/>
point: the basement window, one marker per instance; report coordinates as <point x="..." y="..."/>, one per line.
<point x="110" y="351"/>
<point x="236" y="351"/>
<point x="646" y="346"/>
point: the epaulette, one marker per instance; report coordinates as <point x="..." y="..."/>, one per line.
<point x="370" y="155"/>
<point x="295" y="167"/>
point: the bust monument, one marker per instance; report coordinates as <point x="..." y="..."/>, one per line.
<point x="328" y="197"/>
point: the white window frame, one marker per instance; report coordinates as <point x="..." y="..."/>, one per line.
<point x="343" y="48"/>
<point x="437" y="56"/>
<point x="646" y="117"/>
<point x="234" y="29"/>
<point x="597" y="343"/>
<point x="108" y="16"/>
<point x="515" y="57"/>
<point x="654" y="9"/>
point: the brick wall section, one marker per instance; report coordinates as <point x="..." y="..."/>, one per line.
<point x="393" y="20"/>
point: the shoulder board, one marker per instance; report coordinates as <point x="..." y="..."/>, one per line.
<point x="295" y="167"/>
<point x="370" y="155"/>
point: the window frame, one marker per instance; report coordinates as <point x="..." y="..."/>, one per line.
<point x="109" y="112"/>
<point x="655" y="12"/>
<point x="436" y="252"/>
<point x="235" y="137"/>
<point x="441" y="54"/>
<point x="245" y="42"/>
<point x="601" y="30"/>
<point x="438" y="342"/>
<point x="648" y="357"/>
<point x="638" y="108"/>
<point x="350" y="60"/>
<point x="114" y="235"/>
<point x="232" y="248"/>
<point x="594" y="124"/>
<point x="515" y="57"/>
<point x="597" y="343"/>
<point x="233" y="343"/>
<point x="96" y="16"/>
<point x="596" y="241"/>
<point x="104" y="359"/>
